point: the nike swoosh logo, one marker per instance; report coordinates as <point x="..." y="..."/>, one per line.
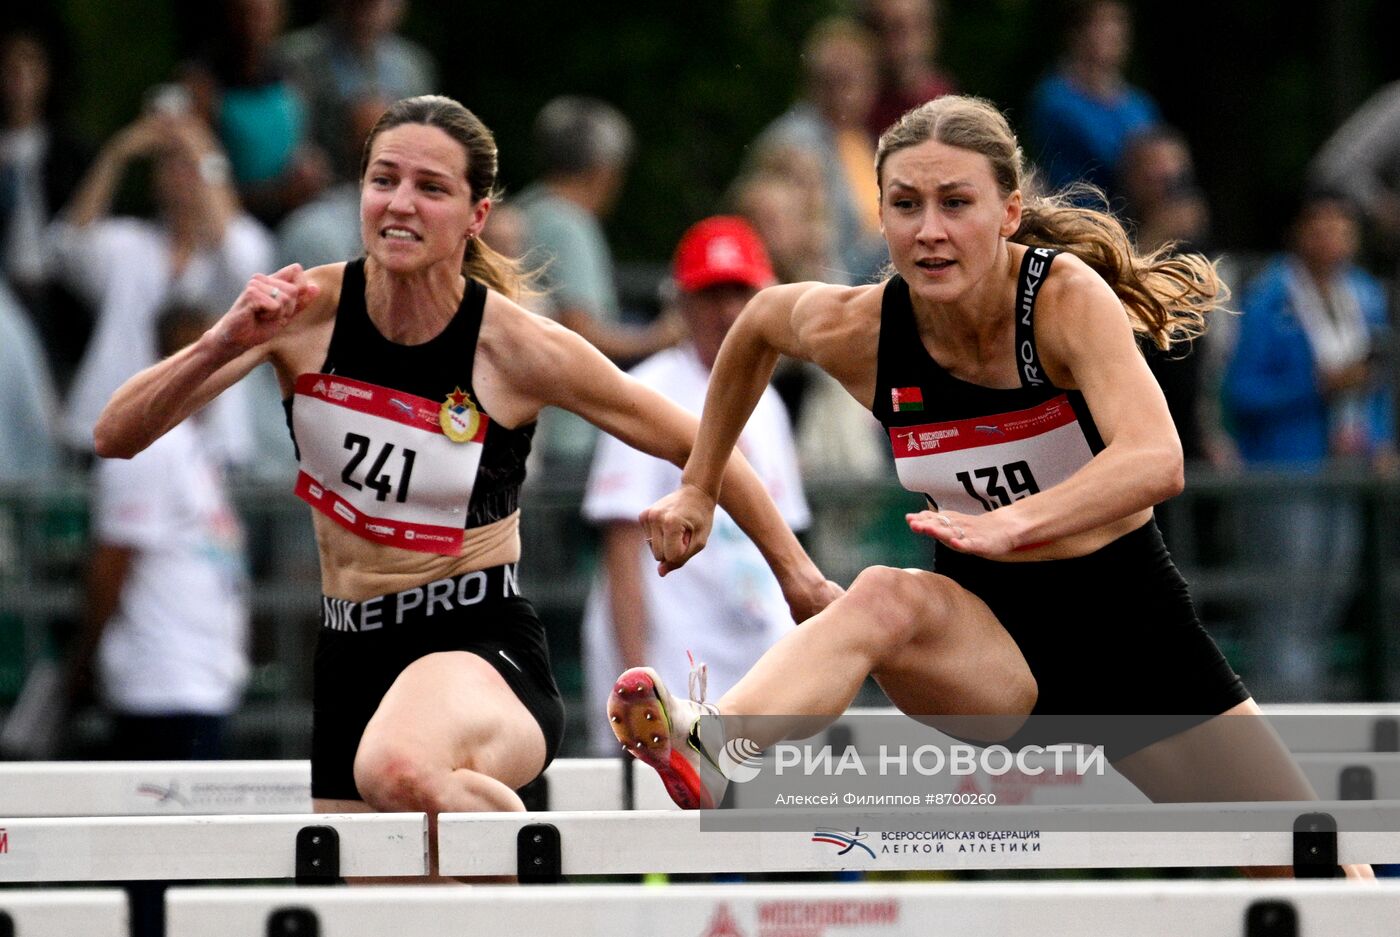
<point x="509" y="661"/>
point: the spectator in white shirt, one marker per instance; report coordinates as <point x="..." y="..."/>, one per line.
<point x="724" y="608"/>
<point x="166" y="623"/>
<point x="199" y="249"/>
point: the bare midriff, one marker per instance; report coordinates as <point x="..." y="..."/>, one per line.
<point x="356" y="569"/>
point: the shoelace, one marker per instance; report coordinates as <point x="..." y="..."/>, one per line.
<point x="698" y="680"/>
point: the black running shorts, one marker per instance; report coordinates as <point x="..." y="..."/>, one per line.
<point x="364" y="646"/>
<point x="1112" y="639"/>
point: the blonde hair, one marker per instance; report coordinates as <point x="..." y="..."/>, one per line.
<point x="505" y="275"/>
<point x="1167" y="295"/>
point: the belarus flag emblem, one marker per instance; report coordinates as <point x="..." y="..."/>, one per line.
<point x="905" y="399"/>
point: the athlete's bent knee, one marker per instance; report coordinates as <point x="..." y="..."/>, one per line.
<point x="1019" y="690"/>
<point x="394" y="782"/>
<point x="899" y="603"/>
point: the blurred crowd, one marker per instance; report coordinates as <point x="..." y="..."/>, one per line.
<point x="248" y="157"/>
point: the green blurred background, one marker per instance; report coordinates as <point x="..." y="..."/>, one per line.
<point x="1255" y="89"/>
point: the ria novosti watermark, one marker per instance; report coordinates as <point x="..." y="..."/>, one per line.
<point x="891" y="763"/>
<point x="956" y="759"/>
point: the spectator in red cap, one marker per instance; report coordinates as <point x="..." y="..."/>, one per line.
<point x="725" y="607"/>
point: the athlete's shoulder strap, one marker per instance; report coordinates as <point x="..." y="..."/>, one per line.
<point x="470" y="313"/>
<point x="351" y="327"/>
<point x="899" y="338"/>
<point x="1035" y="267"/>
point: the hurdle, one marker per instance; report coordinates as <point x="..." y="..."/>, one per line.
<point x="1337" y="727"/>
<point x="1361" y="776"/>
<point x="73" y="912"/>
<point x="153" y="788"/>
<point x="1343" y="748"/>
<point x="180" y="788"/>
<point x="620" y="783"/>
<point x="547" y="847"/>
<point x="305" y="847"/>
<point x="1045" y="909"/>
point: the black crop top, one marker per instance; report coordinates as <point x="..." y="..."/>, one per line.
<point x="971" y="448"/>
<point x="400" y="441"/>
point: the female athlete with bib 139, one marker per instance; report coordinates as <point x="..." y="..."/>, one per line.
<point x="1001" y="361"/>
<point x="413" y="381"/>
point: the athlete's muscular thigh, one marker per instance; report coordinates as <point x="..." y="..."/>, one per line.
<point x="959" y="659"/>
<point x="453" y="710"/>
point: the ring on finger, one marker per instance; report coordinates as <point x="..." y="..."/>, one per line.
<point x="943" y="519"/>
<point x="276" y="292"/>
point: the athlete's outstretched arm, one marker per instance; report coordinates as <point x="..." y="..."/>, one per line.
<point x="555" y="366"/>
<point x="153" y="401"/>
<point x="679" y="524"/>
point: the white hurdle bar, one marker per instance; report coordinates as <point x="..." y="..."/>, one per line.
<point x="71" y="912"/>
<point x="182" y="788"/>
<point x="1042" y="909"/>
<point x="291" y="846"/>
<point x="546" y="847"/>
<point x="153" y="788"/>
<point x="1337" y="727"/>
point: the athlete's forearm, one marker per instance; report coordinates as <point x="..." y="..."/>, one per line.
<point x="742" y="371"/>
<point x="153" y="401"/>
<point x="1118" y="482"/>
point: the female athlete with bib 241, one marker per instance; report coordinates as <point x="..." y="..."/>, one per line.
<point x="1001" y="361"/>
<point x="413" y="382"/>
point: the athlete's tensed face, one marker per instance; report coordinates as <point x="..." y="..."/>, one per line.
<point x="416" y="206"/>
<point x="944" y="218"/>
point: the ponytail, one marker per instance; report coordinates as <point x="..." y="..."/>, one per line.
<point x="1167" y="295"/>
<point x="505" y="275"/>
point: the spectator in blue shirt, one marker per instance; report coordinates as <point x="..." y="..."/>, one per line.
<point x="1305" y="383"/>
<point x="1082" y="116"/>
<point x="1305" y="389"/>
